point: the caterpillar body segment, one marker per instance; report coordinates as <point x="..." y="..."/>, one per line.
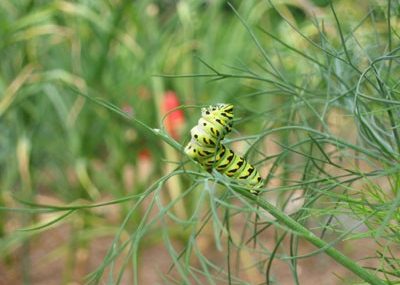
<point x="206" y="148"/>
<point x="197" y="152"/>
<point x="213" y="160"/>
<point x="217" y="130"/>
<point x="235" y="166"/>
<point x="226" y="162"/>
<point x="250" y="176"/>
<point x="202" y="138"/>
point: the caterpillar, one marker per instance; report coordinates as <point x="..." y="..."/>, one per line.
<point x="206" y="148"/>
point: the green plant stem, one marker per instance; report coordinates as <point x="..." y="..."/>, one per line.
<point x="309" y="236"/>
<point x="101" y="63"/>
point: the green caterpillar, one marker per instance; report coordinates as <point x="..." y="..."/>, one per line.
<point x="206" y="148"/>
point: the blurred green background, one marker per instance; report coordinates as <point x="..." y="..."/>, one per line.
<point x="75" y="76"/>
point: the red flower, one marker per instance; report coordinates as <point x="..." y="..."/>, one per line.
<point x="174" y="120"/>
<point x="144" y="154"/>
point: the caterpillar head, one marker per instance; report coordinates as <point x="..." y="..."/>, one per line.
<point x="221" y="111"/>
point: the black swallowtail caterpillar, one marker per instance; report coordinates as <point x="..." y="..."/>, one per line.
<point x="206" y="148"/>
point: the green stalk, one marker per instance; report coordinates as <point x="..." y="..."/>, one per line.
<point x="101" y="63"/>
<point x="309" y="236"/>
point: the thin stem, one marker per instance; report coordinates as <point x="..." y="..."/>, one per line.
<point x="309" y="236"/>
